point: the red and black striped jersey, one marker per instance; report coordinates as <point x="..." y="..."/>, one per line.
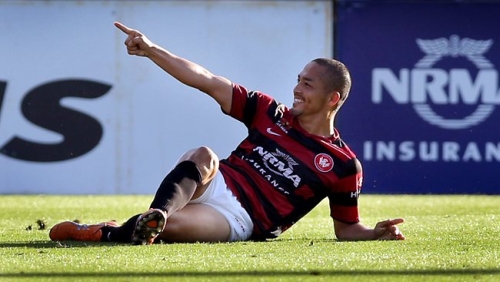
<point x="280" y="172"/>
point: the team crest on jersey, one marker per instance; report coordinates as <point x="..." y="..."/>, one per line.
<point x="323" y="162"/>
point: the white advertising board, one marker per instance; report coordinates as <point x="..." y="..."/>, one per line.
<point x="78" y="115"/>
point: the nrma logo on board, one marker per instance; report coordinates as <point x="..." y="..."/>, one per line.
<point x="425" y="86"/>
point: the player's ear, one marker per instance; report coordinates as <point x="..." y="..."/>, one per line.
<point x="334" y="98"/>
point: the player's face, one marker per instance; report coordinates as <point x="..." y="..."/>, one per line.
<point x="309" y="94"/>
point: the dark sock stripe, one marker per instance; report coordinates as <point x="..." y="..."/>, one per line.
<point x="122" y="234"/>
<point x="186" y="172"/>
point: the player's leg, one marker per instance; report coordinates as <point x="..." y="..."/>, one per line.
<point x="192" y="223"/>
<point x="214" y="216"/>
<point x="196" y="223"/>
<point x="189" y="179"/>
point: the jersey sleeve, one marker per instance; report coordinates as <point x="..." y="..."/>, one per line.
<point x="344" y="198"/>
<point x="246" y="105"/>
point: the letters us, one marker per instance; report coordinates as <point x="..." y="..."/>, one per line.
<point x="41" y="106"/>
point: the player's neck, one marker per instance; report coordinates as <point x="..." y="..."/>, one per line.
<point x="317" y="125"/>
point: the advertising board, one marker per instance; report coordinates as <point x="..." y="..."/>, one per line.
<point x="423" y="114"/>
<point x="78" y="115"/>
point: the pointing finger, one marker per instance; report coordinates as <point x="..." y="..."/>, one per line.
<point x="124" y="28"/>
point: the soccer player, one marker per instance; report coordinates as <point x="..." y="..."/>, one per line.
<point x="291" y="160"/>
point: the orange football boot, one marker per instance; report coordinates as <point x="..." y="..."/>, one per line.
<point x="72" y="231"/>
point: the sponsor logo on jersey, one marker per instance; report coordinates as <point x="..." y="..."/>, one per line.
<point x="280" y="164"/>
<point x="272" y="164"/>
<point x="270" y="131"/>
<point x="283" y="125"/>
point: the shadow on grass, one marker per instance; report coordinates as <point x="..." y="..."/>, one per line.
<point x="80" y="244"/>
<point x="56" y="244"/>
<point x="128" y="275"/>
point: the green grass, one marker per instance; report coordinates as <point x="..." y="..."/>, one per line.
<point x="449" y="238"/>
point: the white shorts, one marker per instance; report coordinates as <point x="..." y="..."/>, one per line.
<point x="219" y="197"/>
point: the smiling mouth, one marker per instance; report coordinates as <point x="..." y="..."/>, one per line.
<point x="298" y="100"/>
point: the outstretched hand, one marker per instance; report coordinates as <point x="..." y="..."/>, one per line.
<point x="388" y="230"/>
<point x="137" y="43"/>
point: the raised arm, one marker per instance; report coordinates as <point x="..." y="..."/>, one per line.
<point x="187" y="72"/>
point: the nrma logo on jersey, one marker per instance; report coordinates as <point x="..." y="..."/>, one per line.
<point x="452" y="88"/>
<point x="424" y="85"/>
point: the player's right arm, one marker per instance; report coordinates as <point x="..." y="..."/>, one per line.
<point x="187" y="72"/>
<point x="383" y="230"/>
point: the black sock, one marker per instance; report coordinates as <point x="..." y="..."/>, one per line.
<point x="177" y="187"/>
<point x="122" y="234"/>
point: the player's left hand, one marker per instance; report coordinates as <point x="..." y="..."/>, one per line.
<point x="388" y="230"/>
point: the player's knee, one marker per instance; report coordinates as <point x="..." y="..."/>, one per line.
<point x="205" y="159"/>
